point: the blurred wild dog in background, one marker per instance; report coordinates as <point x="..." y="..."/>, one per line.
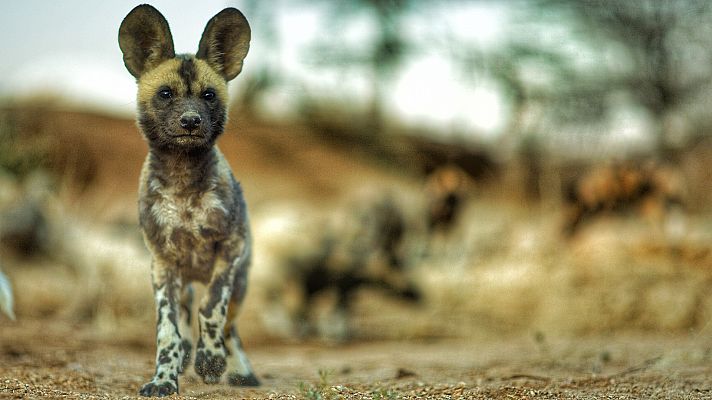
<point x="649" y="189"/>
<point x="316" y="259"/>
<point x="445" y="191"/>
<point x="447" y="194"/>
<point x="191" y="208"/>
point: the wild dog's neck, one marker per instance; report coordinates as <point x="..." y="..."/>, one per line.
<point x="183" y="171"/>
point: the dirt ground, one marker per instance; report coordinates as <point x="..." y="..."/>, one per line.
<point x="55" y="359"/>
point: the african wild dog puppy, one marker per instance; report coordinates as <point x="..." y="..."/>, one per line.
<point x="191" y="208"/>
<point x="650" y="189"/>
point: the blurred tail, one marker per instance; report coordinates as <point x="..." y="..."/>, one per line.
<point x="6" y="297"/>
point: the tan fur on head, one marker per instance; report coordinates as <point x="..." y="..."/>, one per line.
<point x="166" y="74"/>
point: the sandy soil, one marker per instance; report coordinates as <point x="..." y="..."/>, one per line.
<point x="55" y="359"/>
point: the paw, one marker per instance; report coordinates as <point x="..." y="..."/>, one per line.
<point x="209" y="366"/>
<point x="159" y="389"/>
<point x="187" y="347"/>
<point x="239" y="380"/>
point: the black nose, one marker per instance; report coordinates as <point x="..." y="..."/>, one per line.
<point x="190" y="120"/>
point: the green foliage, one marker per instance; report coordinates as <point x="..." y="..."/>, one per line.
<point x="324" y="390"/>
<point x="321" y="390"/>
<point x="384" y="394"/>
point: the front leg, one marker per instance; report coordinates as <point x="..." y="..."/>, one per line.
<point x="169" y="352"/>
<point x="210" y="354"/>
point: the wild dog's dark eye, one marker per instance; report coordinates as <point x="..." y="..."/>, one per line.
<point x="209" y="95"/>
<point x="165" y="93"/>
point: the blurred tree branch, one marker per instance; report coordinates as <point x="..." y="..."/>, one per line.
<point x="382" y="57"/>
<point x="667" y="43"/>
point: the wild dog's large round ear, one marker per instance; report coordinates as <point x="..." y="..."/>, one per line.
<point x="225" y="42"/>
<point x="145" y="39"/>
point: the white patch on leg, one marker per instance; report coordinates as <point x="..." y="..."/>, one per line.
<point x="237" y="362"/>
<point x="217" y="319"/>
<point x="169" y="352"/>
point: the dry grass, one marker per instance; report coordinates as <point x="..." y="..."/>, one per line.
<point x="507" y="276"/>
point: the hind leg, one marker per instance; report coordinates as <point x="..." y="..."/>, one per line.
<point x="184" y="323"/>
<point x="239" y="369"/>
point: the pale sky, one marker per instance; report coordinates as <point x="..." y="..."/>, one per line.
<point x="70" y="48"/>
